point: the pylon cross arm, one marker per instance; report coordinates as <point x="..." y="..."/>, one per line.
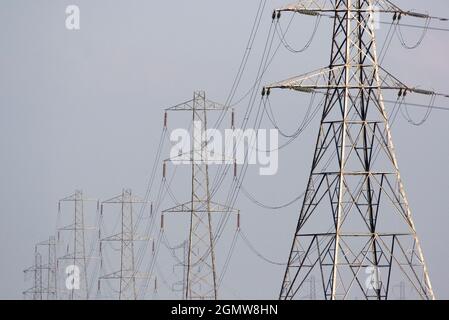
<point x="318" y="81"/>
<point x="119" y="237"/>
<point x="315" y="8"/>
<point x="120" y="200"/>
<point x="213" y="208"/>
<point x="311" y="6"/>
<point x="74" y="197"/>
<point x="190" y="106"/>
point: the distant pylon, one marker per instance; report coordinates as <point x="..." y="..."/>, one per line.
<point x="37" y="291"/>
<point x="44" y="274"/>
<point x="49" y="246"/>
<point x="201" y="280"/>
<point x="182" y="264"/>
<point x="126" y="237"/>
<point x="74" y="251"/>
<point x="355" y="230"/>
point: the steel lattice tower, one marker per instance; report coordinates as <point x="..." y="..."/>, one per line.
<point x="44" y="286"/>
<point x="37" y="291"/>
<point x="51" y="286"/>
<point x="355" y="230"/>
<point x="75" y="252"/>
<point x="201" y="280"/>
<point x="126" y="275"/>
<point x="183" y="266"/>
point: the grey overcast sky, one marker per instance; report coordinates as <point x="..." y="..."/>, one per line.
<point x="83" y="110"/>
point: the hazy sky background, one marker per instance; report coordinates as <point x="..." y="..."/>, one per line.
<point x="84" y="109"/>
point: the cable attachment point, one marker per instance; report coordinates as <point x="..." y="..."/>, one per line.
<point x="266" y="91"/>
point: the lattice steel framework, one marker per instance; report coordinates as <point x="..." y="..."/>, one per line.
<point x="49" y="246"/>
<point x="180" y="285"/>
<point x="201" y="270"/>
<point x="44" y="274"/>
<point x="126" y="275"/>
<point x="75" y="250"/>
<point x="355" y="230"/>
<point x="36" y="292"/>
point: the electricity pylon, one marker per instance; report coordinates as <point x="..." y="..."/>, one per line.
<point x="44" y="286"/>
<point x="355" y="230"/>
<point x="49" y="246"/>
<point x="75" y="250"/>
<point x="126" y="237"/>
<point x="37" y="291"/>
<point x="201" y="270"/>
<point x="182" y="264"/>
